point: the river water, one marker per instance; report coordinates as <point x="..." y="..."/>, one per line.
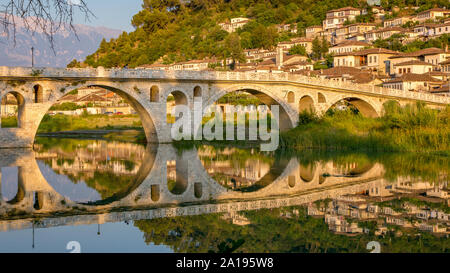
<point x="109" y="196"/>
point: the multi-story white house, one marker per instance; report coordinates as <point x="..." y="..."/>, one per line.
<point x="413" y="82"/>
<point x="398" y="21"/>
<point x="313" y="31"/>
<point x="234" y="24"/>
<point x="432" y="14"/>
<point x="348" y="46"/>
<point x="336" y="17"/>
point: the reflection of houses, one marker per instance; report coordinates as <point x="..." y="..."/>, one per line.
<point x="236" y="219"/>
<point x="339" y="224"/>
<point x="230" y="173"/>
<point x="436" y="228"/>
<point x="114" y="157"/>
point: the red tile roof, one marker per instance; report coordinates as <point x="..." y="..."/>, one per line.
<point x="411" y="77"/>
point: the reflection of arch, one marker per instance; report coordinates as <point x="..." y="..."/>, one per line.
<point x="155" y="193"/>
<point x="197" y="91"/>
<point x="306" y="103"/>
<point x="291" y="181"/>
<point x="177" y="179"/>
<point x="360" y="169"/>
<point x="198" y="190"/>
<point x="20" y="102"/>
<point x="20" y="195"/>
<point x="147" y="165"/>
<point x="38" y="201"/>
<point x="322" y="179"/>
<point x="154" y="94"/>
<point x="307" y="172"/>
<point x="38" y="93"/>
<point x="291" y="97"/>
<point x="321" y="98"/>
<point x="265" y="97"/>
<point x="364" y="107"/>
<point x="276" y="170"/>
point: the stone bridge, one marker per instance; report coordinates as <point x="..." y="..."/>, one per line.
<point x="288" y="183"/>
<point x="36" y="90"/>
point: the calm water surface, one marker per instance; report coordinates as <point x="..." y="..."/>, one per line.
<point x="122" y="197"/>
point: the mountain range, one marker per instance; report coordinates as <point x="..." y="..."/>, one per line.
<point x="67" y="46"/>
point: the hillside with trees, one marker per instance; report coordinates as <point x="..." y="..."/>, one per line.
<point x="171" y="31"/>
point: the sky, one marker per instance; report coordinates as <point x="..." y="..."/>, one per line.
<point x="115" y="14"/>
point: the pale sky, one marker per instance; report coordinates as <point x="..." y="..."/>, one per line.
<point x="115" y="14"/>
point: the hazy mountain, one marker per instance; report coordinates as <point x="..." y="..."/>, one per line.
<point x="67" y="46"/>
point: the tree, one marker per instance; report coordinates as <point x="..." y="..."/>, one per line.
<point x="298" y="49"/>
<point x="233" y="48"/>
<point x="74" y="63"/>
<point x="48" y="16"/>
<point x="325" y="46"/>
<point x="316" y="49"/>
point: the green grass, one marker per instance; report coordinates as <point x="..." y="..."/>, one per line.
<point x="59" y="123"/>
<point x="413" y="128"/>
<point x="9" y="122"/>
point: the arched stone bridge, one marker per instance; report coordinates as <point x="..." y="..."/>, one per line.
<point x="36" y="90"/>
<point x="288" y="183"/>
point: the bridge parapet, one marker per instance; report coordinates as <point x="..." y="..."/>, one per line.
<point x="101" y="72"/>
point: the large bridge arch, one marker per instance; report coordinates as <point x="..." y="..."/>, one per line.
<point x="288" y="115"/>
<point x="136" y="100"/>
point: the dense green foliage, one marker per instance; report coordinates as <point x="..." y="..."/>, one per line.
<point x="170" y="31"/>
<point x="66" y="106"/>
<point x="180" y="32"/>
<point x="414" y="128"/>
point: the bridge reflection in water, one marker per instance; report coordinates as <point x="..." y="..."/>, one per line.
<point x="64" y="182"/>
<point x="97" y="182"/>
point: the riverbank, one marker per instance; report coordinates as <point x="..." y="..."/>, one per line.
<point x="63" y="123"/>
<point x="413" y="128"/>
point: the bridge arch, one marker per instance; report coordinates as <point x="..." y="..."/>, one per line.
<point x="366" y="108"/>
<point x="197" y="92"/>
<point x="306" y="103"/>
<point x="38" y="94"/>
<point x="154" y="93"/>
<point x="288" y="115"/>
<point x="136" y="102"/>
<point x="20" y="102"/>
<point x="291" y="97"/>
<point x="321" y="98"/>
